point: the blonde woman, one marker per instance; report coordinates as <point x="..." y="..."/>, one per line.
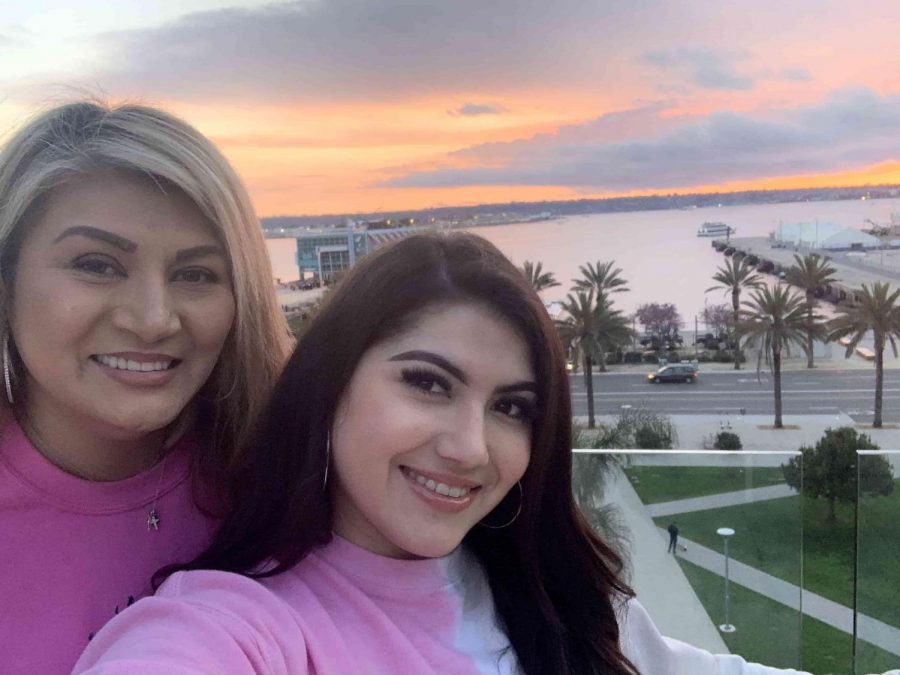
<point x="140" y="336"/>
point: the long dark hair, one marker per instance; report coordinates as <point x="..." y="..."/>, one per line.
<point x="555" y="583"/>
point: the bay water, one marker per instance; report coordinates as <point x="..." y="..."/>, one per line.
<point x="660" y="254"/>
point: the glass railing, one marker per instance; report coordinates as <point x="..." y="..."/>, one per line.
<point x="725" y="554"/>
<point x="877" y="580"/>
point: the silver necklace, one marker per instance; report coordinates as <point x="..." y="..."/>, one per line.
<point x="153" y="519"/>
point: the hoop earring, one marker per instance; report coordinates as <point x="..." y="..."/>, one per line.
<point x="327" y="459"/>
<point x="513" y="519"/>
<point x="7" y="370"/>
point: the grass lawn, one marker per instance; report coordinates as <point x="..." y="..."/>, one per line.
<point x="769" y="633"/>
<point x="768" y="534"/>
<point x="656" y="484"/>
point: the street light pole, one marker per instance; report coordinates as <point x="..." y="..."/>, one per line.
<point x="726" y="533"/>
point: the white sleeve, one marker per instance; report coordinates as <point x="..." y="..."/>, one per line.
<point x="653" y="654"/>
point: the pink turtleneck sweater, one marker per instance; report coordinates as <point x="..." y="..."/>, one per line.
<point x="74" y="553"/>
<point x="345" y="611"/>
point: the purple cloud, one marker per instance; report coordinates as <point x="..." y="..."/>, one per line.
<point x="638" y="149"/>
<point x="706" y="68"/>
<point x="474" y="109"/>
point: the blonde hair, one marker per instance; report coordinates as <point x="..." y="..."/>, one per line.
<point x="89" y="137"/>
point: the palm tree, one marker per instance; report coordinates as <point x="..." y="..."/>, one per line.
<point x="612" y="329"/>
<point x="591" y="328"/>
<point x="734" y="276"/>
<point x="878" y="311"/>
<point x="811" y="272"/>
<point x="777" y="319"/>
<point x="601" y="278"/>
<point x="537" y="277"/>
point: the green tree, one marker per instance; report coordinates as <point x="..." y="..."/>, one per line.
<point x="811" y="273"/>
<point x="733" y="277"/>
<point x="830" y="471"/>
<point x="877" y="311"/>
<point x="578" y="333"/>
<point x="589" y="330"/>
<point x="613" y="330"/>
<point x="775" y="319"/>
<point x="601" y="278"/>
<point x="537" y="277"/>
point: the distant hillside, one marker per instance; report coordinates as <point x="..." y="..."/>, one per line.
<point x="612" y="205"/>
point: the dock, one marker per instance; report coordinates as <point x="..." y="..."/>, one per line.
<point x="853" y="270"/>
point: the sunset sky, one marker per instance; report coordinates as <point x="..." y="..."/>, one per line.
<point x="333" y="106"/>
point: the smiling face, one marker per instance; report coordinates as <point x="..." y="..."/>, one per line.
<point x="432" y="431"/>
<point x="121" y="304"/>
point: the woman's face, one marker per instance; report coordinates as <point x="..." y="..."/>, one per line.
<point x="432" y="432"/>
<point x="121" y="304"/>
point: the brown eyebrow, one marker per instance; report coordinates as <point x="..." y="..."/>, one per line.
<point x="435" y="359"/>
<point x="195" y="252"/>
<point x="121" y="243"/>
<point x="128" y="246"/>
<point x="518" y="386"/>
<point x="441" y="362"/>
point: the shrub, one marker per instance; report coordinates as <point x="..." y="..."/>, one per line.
<point x="727" y="356"/>
<point x="649" y="438"/>
<point x="673" y="357"/>
<point x="726" y="440"/>
<point x="704" y="357"/>
<point x="651" y="358"/>
<point x="633" y="357"/>
<point x="641" y="429"/>
<point x="753" y="259"/>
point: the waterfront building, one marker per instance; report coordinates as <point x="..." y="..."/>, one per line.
<point x="826" y="236"/>
<point x="849" y="240"/>
<point x="798" y="235"/>
<point x="325" y="253"/>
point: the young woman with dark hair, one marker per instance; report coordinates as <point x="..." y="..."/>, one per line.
<point x="407" y="506"/>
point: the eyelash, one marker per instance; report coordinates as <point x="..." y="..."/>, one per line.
<point x="417" y="377"/>
<point x="210" y="277"/>
<point x="89" y="264"/>
<point x="528" y="411"/>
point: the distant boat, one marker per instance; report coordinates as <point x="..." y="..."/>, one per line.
<point x="714" y="230"/>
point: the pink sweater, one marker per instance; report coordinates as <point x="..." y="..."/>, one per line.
<point x="75" y="552"/>
<point x="345" y="611"/>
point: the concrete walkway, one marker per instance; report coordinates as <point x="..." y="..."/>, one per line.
<point x="657" y="578"/>
<point x="832" y="613"/>
<point x="719" y="500"/>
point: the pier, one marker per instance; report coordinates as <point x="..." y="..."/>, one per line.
<point x="854" y="268"/>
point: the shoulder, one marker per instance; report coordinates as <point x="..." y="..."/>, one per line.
<point x="200" y="618"/>
<point x="254" y="602"/>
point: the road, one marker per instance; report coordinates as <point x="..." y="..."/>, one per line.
<point x="803" y="393"/>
